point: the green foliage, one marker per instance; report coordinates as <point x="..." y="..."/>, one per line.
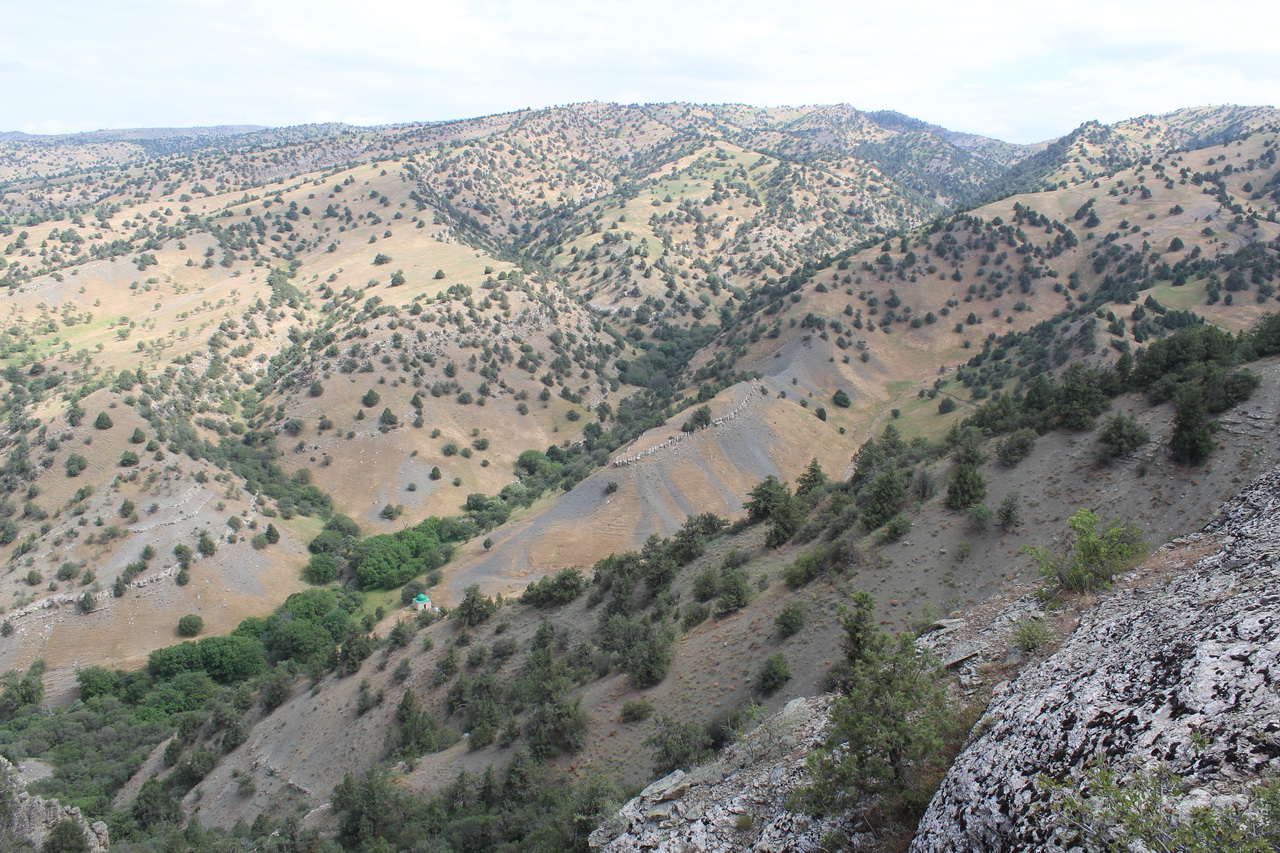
<point x="885" y="752"/>
<point x="885" y="499"/>
<point x="895" y="529"/>
<point x="700" y="420"/>
<point x="153" y="806"/>
<point x="812" y="481"/>
<point x="103" y="421"/>
<point x="252" y="458"/>
<point x="190" y="625"/>
<point x="979" y="517"/>
<point x="1192" y="439"/>
<point x="524" y="807"/>
<point x="677" y="745"/>
<point x="706" y="585"/>
<point x="20" y="690"/>
<point x="1016" y="447"/>
<point x="475" y="607"/>
<point x="320" y="570"/>
<point x="734" y="590"/>
<point x="1120" y="435"/>
<point x="636" y="710"/>
<point x="75" y="464"/>
<point x="768" y="499"/>
<point x="225" y="659"/>
<point x="1009" y="514"/>
<point x="837" y="555"/>
<point x="774" y="673"/>
<point x="66" y="837"/>
<point x="337" y="537"/>
<point x="1030" y="634"/>
<point x="965" y="487"/>
<point x="391" y="559"/>
<point x="417" y="732"/>
<point x="206" y="546"/>
<point x="555" y="590"/>
<point x="1093" y="556"/>
<point x="841" y="400"/>
<point x="1139" y="810"/>
<point x="642" y="647"/>
<point x="790" y="620"/>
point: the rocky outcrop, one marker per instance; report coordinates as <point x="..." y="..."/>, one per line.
<point x="28" y="818"/>
<point x="1178" y="670"/>
<point x="737" y="802"/>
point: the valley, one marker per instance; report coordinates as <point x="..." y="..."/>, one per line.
<point x="623" y="388"/>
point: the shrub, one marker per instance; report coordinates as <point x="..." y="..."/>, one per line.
<point x="1010" y="512"/>
<point x="554" y="590"/>
<point x="1016" y="447"/>
<point x="475" y="607"/>
<point x="1192" y="439"/>
<point x="878" y="759"/>
<point x="706" y="585"/>
<point x="1030" y="634"/>
<point x="966" y="487"/>
<point x="885" y="499"/>
<point x="76" y="464"/>
<point x="694" y="615"/>
<point x="636" y="710"/>
<point x="128" y="459"/>
<point x="979" y="518"/>
<point x="735" y="591"/>
<point x="1120" y="435"/>
<point x="67" y="836"/>
<point x="895" y="528"/>
<point x="677" y="745"/>
<point x="790" y="620"/>
<point x="1093" y="556"/>
<point x="190" y="625"/>
<point x="103" y="421"/>
<point x="774" y="673"/>
<point x="1137" y="808"/>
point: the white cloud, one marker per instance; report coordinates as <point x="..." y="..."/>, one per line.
<point x="1031" y="72"/>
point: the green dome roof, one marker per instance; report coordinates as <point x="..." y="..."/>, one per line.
<point x="421" y="597"/>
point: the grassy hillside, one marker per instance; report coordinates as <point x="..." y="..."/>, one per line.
<point x="480" y="354"/>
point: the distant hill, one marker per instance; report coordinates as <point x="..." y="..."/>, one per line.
<point x="513" y="345"/>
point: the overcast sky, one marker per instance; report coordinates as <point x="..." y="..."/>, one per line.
<point x="1022" y="71"/>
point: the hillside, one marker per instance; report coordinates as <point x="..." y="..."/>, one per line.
<point x="478" y="355"/>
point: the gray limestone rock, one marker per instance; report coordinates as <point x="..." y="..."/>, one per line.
<point x="1180" y="672"/>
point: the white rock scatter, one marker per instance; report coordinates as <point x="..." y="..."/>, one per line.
<point x="735" y="803"/>
<point x="32" y="818"/>
<point x="1181" y="674"/>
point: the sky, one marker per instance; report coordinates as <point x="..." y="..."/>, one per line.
<point x="1023" y="72"/>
